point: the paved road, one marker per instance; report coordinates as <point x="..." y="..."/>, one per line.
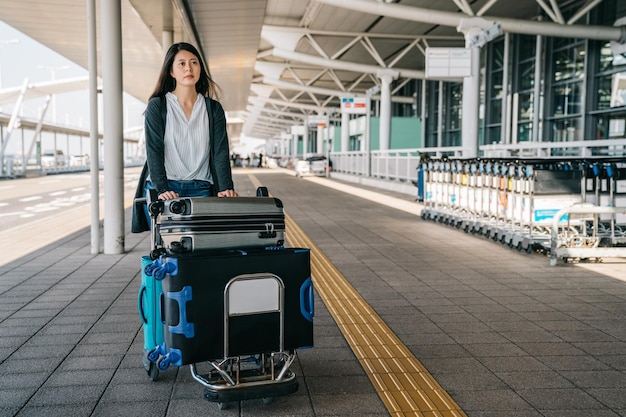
<point x="48" y="207"/>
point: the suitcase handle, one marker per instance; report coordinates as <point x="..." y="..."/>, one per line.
<point x="142" y="315"/>
<point x="306" y="299"/>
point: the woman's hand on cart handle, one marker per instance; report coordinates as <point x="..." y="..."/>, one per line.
<point x="228" y="193"/>
<point x="168" y="195"/>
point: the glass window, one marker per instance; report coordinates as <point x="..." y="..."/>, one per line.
<point x="618" y="89"/>
<point x="527" y="47"/>
<point x="454" y="102"/>
<point x="609" y="126"/>
<point x="569" y="63"/>
<point x="566" y="99"/>
<point x="525" y="106"/>
<point x="493" y="134"/>
<point x="603" y="92"/>
<point x="496" y="85"/>
<point x="606" y="57"/>
<point x="453" y="138"/>
<point x="566" y="130"/>
<point x="524" y="132"/>
<point x="497" y="50"/>
<point x="526" y="75"/>
<point x="495" y="111"/>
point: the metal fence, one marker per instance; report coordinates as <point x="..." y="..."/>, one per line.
<point x="30" y="139"/>
<point x="402" y="164"/>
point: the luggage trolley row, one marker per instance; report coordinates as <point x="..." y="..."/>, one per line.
<point x="515" y="201"/>
<point x="221" y="294"/>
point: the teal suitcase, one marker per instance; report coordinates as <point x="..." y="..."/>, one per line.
<point x="149" y="304"/>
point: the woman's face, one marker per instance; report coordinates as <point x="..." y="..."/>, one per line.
<point x="185" y="69"/>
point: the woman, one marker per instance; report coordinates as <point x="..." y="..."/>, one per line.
<point x="186" y="140"/>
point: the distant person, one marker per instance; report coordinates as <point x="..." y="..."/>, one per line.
<point x="186" y="139"/>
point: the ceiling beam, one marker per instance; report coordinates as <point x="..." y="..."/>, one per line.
<point x="343" y="65"/>
<point x="451" y="19"/>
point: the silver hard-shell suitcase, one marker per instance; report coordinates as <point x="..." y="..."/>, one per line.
<point x="188" y="224"/>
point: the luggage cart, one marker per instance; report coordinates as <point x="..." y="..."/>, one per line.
<point x="262" y="375"/>
<point x="257" y="292"/>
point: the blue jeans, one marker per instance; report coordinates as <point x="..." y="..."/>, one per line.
<point x="193" y="188"/>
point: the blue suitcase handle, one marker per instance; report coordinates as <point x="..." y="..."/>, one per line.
<point x="306" y="299"/>
<point x="140" y="296"/>
<point x="183" y="327"/>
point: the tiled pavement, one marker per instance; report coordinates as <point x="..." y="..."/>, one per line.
<point x="503" y="332"/>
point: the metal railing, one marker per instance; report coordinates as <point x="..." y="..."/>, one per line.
<point x="402" y="164"/>
<point x="29" y="134"/>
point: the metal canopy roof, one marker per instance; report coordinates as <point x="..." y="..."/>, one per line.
<point x="278" y="60"/>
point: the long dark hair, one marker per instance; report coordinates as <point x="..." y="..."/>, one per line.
<point x="166" y="83"/>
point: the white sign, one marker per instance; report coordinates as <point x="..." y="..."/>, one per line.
<point x="443" y="63"/>
<point x="319" y="121"/>
<point x="354" y="105"/>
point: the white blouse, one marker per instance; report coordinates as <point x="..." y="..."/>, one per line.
<point x="187" y="142"/>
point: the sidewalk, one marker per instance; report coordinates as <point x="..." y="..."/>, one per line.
<point x="503" y="332"/>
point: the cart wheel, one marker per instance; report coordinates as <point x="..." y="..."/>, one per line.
<point x="222" y="406"/>
<point x="529" y="248"/>
<point x="268" y="400"/>
<point x="153" y="371"/>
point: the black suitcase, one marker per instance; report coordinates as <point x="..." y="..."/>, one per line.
<point x="221" y="304"/>
<point x="190" y="224"/>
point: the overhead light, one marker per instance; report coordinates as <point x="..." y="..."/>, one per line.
<point x="485" y="36"/>
<point x="618" y="48"/>
<point x="373" y="90"/>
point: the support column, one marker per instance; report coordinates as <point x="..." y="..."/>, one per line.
<point x="167" y="36"/>
<point x="113" y="127"/>
<point x="386" y="77"/>
<point x="294" y="143"/>
<point x="321" y="139"/>
<point x="505" y="116"/>
<point x="471" y="102"/>
<point x="440" y="126"/>
<point x="537" y="89"/>
<point x="345" y="132"/>
<point x="94" y="139"/>
<point x="423" y="114"/>
<point x="305" y="138"/>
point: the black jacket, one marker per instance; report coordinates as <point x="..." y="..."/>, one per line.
<point x="156" y="116"/>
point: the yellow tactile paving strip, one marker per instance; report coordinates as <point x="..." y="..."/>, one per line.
<point x="403" y="384"/>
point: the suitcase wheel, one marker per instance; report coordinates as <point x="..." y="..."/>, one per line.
<point x="163" y="363"/>
<point x="153" y="355"/>
<point x="153" y="371"/>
